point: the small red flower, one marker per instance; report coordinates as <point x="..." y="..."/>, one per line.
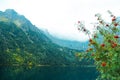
<point x="103" y="64"/>
<point x="102" y="45"/>
<point x="116" y="36"/>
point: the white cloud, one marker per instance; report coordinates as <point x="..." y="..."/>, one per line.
<point x="59" y="16"/>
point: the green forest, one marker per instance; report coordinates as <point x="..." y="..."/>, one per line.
<point x="22" y="43"/>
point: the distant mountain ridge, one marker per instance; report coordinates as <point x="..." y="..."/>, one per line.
<point x="67" y="43"/>
<point x="23" y="43"/>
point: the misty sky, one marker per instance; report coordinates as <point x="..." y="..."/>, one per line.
<point x="59" y="16"/>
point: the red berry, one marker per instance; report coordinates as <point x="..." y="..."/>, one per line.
<point x="107" y="25"/>
<point x="113" y="19"/>
<point x="116" y="36"/>
<point x="114" y="45"/>
<point x="115" y="24"/>
<point x="78" y="21"/>
<point x="90" y="49"/>
<point x="95" y="36"/>
<point x="90" y="40"/>
<point x="84" y="30"/>
<point x="102" y="45"/>
<point x="103" y="64"/>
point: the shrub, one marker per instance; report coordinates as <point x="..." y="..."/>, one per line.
<point x="104" y="47"/>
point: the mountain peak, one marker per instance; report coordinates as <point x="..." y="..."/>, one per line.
<point x="10" y="11"/>
<point x="12" y="16"/>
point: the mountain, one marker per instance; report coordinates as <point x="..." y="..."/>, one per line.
<point x="77" y="45"/>
<point x="23" y="43"/>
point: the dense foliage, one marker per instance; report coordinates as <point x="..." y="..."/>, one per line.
<point x="104" y="47"/>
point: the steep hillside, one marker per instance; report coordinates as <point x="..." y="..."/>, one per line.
<point x="24" y="44"/>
